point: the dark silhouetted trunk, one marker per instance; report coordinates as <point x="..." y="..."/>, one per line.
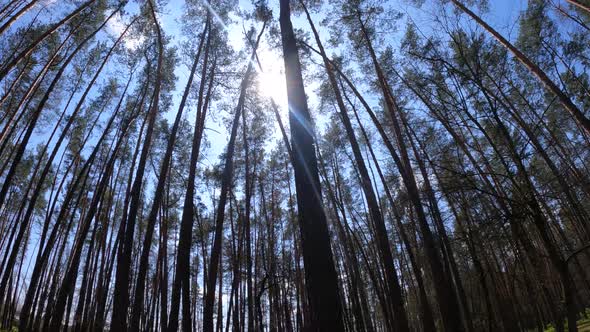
<point x="320" y="273"/>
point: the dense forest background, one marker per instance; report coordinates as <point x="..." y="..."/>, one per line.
<point x="222" y="165"/>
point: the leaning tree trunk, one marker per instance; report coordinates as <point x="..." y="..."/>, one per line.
<point x="182" y="270"/>
<point x="44" y="252"/>
<point x="69" y="279"/>
<point x="122" y="276"/>
<point x="427" y="318"/>
<point x="14" y="17"/>
<point x="5" y="69"/>
<point x="580" y="5"/>
<point x="23" y="144"/>
<point x="31" y="205"/>
<point x="565" y="101"/>
<point x="445" y="297"/>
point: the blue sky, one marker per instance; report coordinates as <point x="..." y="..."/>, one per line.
<point x="503" y="15"/>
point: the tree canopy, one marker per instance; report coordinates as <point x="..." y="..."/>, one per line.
<point x="294" y="165"/>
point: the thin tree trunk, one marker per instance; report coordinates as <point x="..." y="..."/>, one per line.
<point x="182" y="271"/>
<point x="22" y="146"/>
<point x="14" y="17"/>
<point x="5" y="69"/>
<point x="159" y="193"/>
<point x="565" y="101"/>
<point x="209" y="299"/>
<point x="121" y="297"/>
<point x="579" y="4"/>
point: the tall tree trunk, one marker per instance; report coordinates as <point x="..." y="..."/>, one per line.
<point x="248" y="184"/>
<point x="68" y="282"/>
<point x="393" y="287"/>
<point x="320" y="272"/>
<point x="122" y="276"/>
<point x="446" y="299"/>
<point x="159" y="194"/>
<point x="182" y="271"/>
<point x="49" y="163"/>
<point x="209" y="299"/>
<point x="426" y="318"/>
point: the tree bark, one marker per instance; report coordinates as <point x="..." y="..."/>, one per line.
<point x="320" y="273"/>
<point x="399" y="321"/>
<point x="209" y="299"/>
<point x="565" y="101"/>
<point x="5" y="69"/>
<point x="122" y="276"/>
<point x="137" y="308"/>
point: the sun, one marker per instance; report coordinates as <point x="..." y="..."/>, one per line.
<point x="271" y="84"/>
<point x="271" y="78"/>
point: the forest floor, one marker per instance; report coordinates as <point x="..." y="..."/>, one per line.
<point x="583" y="326"/>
